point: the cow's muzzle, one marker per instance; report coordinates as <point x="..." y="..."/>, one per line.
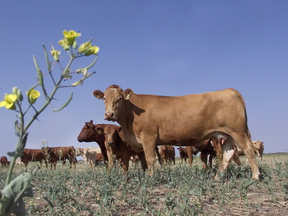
<point x="110" y="143"/>
<point x="110" y="116"/>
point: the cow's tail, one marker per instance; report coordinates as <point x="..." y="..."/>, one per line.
<point x="245" y="115"/>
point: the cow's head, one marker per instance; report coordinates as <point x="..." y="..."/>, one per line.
<point x="110" y="132"/>
<point x="87" y="133"/>
<point x="114" y="98"/>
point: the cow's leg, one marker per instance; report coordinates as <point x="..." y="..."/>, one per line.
<point x="125" y="164"/>
<point x="110" y="159"/>
<point x="142" y="159"/>
<point x="258" y="153"/>
<point x="150" y="157"/>
<point x="228" y="152"/>
<point x="190" y="156"/>
<point x="203" y="157"/>
<point x="245" y="143"/>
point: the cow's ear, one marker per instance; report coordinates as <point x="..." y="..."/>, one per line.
<point x="98" y="94"/>
<point x="119" y="130"/>
<point x="127" y="94"/>
<point x="99" y="131"/>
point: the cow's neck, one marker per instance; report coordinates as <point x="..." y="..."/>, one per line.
<point x="127" y="118"/>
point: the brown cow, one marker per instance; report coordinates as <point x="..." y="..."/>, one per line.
<point x="33" y="155"/>
<point x="61" y="153"/>
<point x="186" y="153"/>
<point x="4" y="161"/>
<point x="115" y="145"/>
<point x="99" y="158"/>
<point x="258" y="149"/>
<point x="167" y="153"/>
<point x="88" y="134"/>
<point x="151" y="120"/>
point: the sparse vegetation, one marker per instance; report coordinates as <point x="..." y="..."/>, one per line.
<point x="173" y="190"/>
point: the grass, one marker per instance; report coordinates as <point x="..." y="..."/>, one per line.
<point x="172" y="190"/>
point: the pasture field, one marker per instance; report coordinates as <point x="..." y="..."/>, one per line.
<point x="172" y="190"/>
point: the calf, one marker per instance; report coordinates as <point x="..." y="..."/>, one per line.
<point x="4" y="161"/>
<point x="258" y="147"/>
<point x="115" y="145"/>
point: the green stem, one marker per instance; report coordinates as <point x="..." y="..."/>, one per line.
<point x="51" y="96"/>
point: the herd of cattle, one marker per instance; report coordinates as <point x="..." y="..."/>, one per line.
<point x="213" y="123"/>
<point x="112" y="146"/>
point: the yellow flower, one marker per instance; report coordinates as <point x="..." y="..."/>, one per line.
<point x="64" y="44"/>
<point x="91" y="50"/>
<point x="9" y="101"/>
<point x="55" y="54"/>
<point x="70" y="36"/>
<point x="32" y="95"/>
<point x="84" y="47"/>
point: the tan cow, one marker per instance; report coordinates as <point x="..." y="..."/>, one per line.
<point x="89" y="154"/>
<point x="258" y="149"/>
<point x="167" y="153"/>
<point x="151" y="120"/>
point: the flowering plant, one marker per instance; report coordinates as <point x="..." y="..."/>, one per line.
<point x="11" y="196"/>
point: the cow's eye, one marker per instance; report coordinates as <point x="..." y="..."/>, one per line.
<point x="104" y="98"/>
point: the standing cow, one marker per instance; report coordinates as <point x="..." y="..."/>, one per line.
<point x="258" y="147"/>
<point x="88" y="134"/>
<point x="34" y="155"/>
<point x="186" y="153"/>
<point x="115" y="145"/>
<point x="89" y="154"/>
<point x="151" y="120"/>
<point x="55" y="154"/>
<point x="167" y="153"/>
<point x="4" y="161"/>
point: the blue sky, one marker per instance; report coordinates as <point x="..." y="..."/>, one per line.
<point x="154" y="47"/>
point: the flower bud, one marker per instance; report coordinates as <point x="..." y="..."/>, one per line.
<point x="75" y="44"/>
<point x="32" y="95"/>
<point x="19" y="95"/>
<point x="14" y="90"/>
<point x="64" y="44"/>
<point x="91" y="50"/>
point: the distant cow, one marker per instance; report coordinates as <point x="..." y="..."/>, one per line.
<point x="258" y="149"/>
<point x="33" y="155"/>
<point x="18" y="161"/>
<point x="89" y="154"/>
<point x="55" y="154"/>
<point x="151" y="120"/>
<point x="167" y="153"/>
<point x="186" y="153"/>
<point x="4" y="161"/>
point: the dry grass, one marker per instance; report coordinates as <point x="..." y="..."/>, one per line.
<point x="173" y="190"/>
